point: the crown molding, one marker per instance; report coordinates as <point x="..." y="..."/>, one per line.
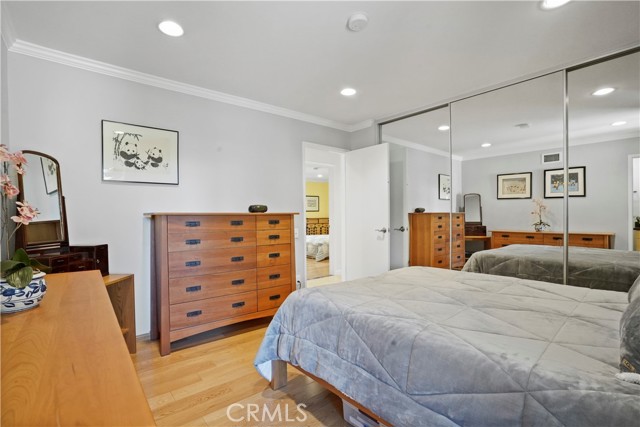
<point x="47" y="54"/>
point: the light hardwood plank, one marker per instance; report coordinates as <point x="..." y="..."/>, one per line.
<point x="214" y="383"/>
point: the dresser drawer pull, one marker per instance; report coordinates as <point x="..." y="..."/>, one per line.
<point x="192" y="242"/>
<point x="440" y="262"/>
<point x="274" y="297"/>
<point x="440" y="249"/>
<point x="588" y="239"/>
<point x="557" y="238"/>
<point x="237" y="304"/>
<point x="506" y="235"/>
<point x="439" y="225"/>
<point x="440" y="217"/>
<point x="192" y="263"/>
<point x="237" y="222"/>
<point x="237" y="258"/>
<point x="237" y="239"/>
<point x="274" y="221"/>
<point x="274" y="236"/>
<point x="194" y="313"/>
<point x="59" y="261"/>
<point x="439" y="237"/>
<point x="274" y="276"/>
<point x="192" y="223"/>
<point x="196" y="288"/>
<point x="274" y="255"/>
<point x="530" y="237"/>
<point x="237" y="282"/>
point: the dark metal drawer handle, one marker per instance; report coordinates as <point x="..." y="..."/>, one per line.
<point x="192" y="242"/>
<point x="440" y="249"/>
<point x="274" y="221"/>
<point x="192" y="223"/>
<point x="237" y="304"/>
<point x="196" y="288"/>
<point x="440" y="262"/>
<point x="274" y="276"/>
<point x="274" y="236"/>
<point x="194" y="313"/>
<point x="274" y="297"/>
<point x="440" y="226"/>
<point x="237" y="282"/>
<point x="237" y="222"/>
<point x="440" y="217"/>
<point x="237" y="239"/>
<point x="587" y="239"/>
<point x="192" y="263"/>
<point x="237" y="258"/>
<point x="274" y="255"/>
<point x="557" y="238"/>
<point x="530" y="237"/>
<point x="59" y="261"/>
<point x="505" y="235"/>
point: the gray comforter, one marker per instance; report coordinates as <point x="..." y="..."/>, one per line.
<point x="431" y="347"/>
<point x="588" y="267"/>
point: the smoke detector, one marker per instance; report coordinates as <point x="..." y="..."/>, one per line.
<point x="357" y="22"/>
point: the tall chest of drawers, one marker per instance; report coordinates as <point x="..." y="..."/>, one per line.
<point x="430" y="235"/>
<point x="215" y="269"/>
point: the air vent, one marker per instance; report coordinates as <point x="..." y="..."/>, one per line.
<point x="551" y="157"/>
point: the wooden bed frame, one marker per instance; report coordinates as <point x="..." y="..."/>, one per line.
<point x="279" y="380"/>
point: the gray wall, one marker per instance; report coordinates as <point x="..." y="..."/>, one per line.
<point x="422" y="181"/>
<point x="230" y="157"/>
<point x="604" y="208"/>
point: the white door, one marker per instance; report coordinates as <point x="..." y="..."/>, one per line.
<point x="367" y="211"/>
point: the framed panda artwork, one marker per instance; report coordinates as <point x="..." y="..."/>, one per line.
<point x="133" y="153"/>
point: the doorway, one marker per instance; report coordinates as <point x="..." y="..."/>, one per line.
<point x="634" y="202"/>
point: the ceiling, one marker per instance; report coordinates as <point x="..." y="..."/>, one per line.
<point x="298" y="55"/>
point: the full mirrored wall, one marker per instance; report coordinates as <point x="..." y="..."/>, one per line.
<point x="516" y="146"/>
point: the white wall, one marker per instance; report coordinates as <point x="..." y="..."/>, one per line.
<point x="422" y="181"/>
<point x="603" y="209"/>
<point x="230" y="157"/>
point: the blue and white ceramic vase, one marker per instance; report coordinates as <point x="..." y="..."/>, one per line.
<point x="16" y="299"/>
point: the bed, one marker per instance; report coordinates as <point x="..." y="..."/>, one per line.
<point x="588" y="267"/>
<point x="318" y="247"/>
<point x="421" y="346"/>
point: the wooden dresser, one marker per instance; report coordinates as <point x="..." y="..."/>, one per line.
<point x="501" y="238"/>
<point x="65" y="362"/>
<point x="429" y="237"/>
<point x="214" y="269"/>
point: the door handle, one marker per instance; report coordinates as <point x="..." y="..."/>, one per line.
<point x="401" y="228"/>
<point x="382" y="230"/>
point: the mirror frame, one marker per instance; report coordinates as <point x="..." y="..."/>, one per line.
<point x="21" y="234"/>
<point x="464" y="201"/>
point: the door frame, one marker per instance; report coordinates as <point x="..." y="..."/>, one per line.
<point x="630" y="220"/>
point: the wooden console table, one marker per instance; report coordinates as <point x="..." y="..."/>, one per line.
<point x="65" y="362"/>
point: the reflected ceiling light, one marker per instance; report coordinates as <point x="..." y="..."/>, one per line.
<point x="553" y="4"/>
<point x="319" y="175"/>
<point x="443" y="128"/>
<point x="118" y="132"/>
<point x="348" y="91"/>
<point x="171" y="28"/>
<point x="485" y="144"/>
<point x="620" y="123"/>
<point x="603" y="91"/>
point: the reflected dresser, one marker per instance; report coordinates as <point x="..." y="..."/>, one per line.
<point x="429" y="236"/>
<point x="215" y="269"/>
<point x="500" y="238"/>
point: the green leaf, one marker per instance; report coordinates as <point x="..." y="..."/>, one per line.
<point x="10" y="266"/>
<point x="21" y="256"/>
<point x="20" y="278"/>
<point x="39" y="266"/>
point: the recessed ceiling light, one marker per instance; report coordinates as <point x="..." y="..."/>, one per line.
<point x="620" y="123"/>
<point x="553" y="4"/>
<point x="603" y="91"/>
<point x="171" y="28"/>
<point x="443" y="128"/>
<point x="348" y="91"/>
<point x="485" y="144"/>
<point x="319" y="175"/>
<point x="357" y="22"/>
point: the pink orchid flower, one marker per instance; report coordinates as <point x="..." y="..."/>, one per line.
<point x="27" y="213"/>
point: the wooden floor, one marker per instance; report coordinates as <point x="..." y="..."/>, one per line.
<point x="317" y="269"/>
<point x="195" y="386"/>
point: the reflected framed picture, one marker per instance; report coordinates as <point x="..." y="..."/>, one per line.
<point x="514" y="185"/>
<point x="554" y="182"/>
<point x="50" y="174"/>
<point x="312" y="204"/>
<point x="133" y="153"/>
<point x="444" y="187"/>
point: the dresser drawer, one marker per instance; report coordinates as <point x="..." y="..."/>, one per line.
<point x="457" y="259"/>
<point x="457" y="235"/>
<point x="210" y="286"/>
<point x="82" y="265"/>
<point x="586" y="240"/>
<point x="441" y="248"/>
<point x="273" y="222"/>
<point x="278" y="275"/>
<point x="204" y="223"/>
<point x="437" y="218"/>
<point x="196" y="241"/>
<point x="458" y="218"/>
<point x="212" y="309"/>
<point x="441" y="261"/>
<point x="440" y="237"/>
<point x="272" y="297"/>
<point x="529" y="238"/>
<point x="274" y="237"/>
<point x="457" y="246"/>
<point x="440" y="226"/>
<point x="552" y="239"/>
<point x="195" y="263"/>
<point x="274" y="255"/>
